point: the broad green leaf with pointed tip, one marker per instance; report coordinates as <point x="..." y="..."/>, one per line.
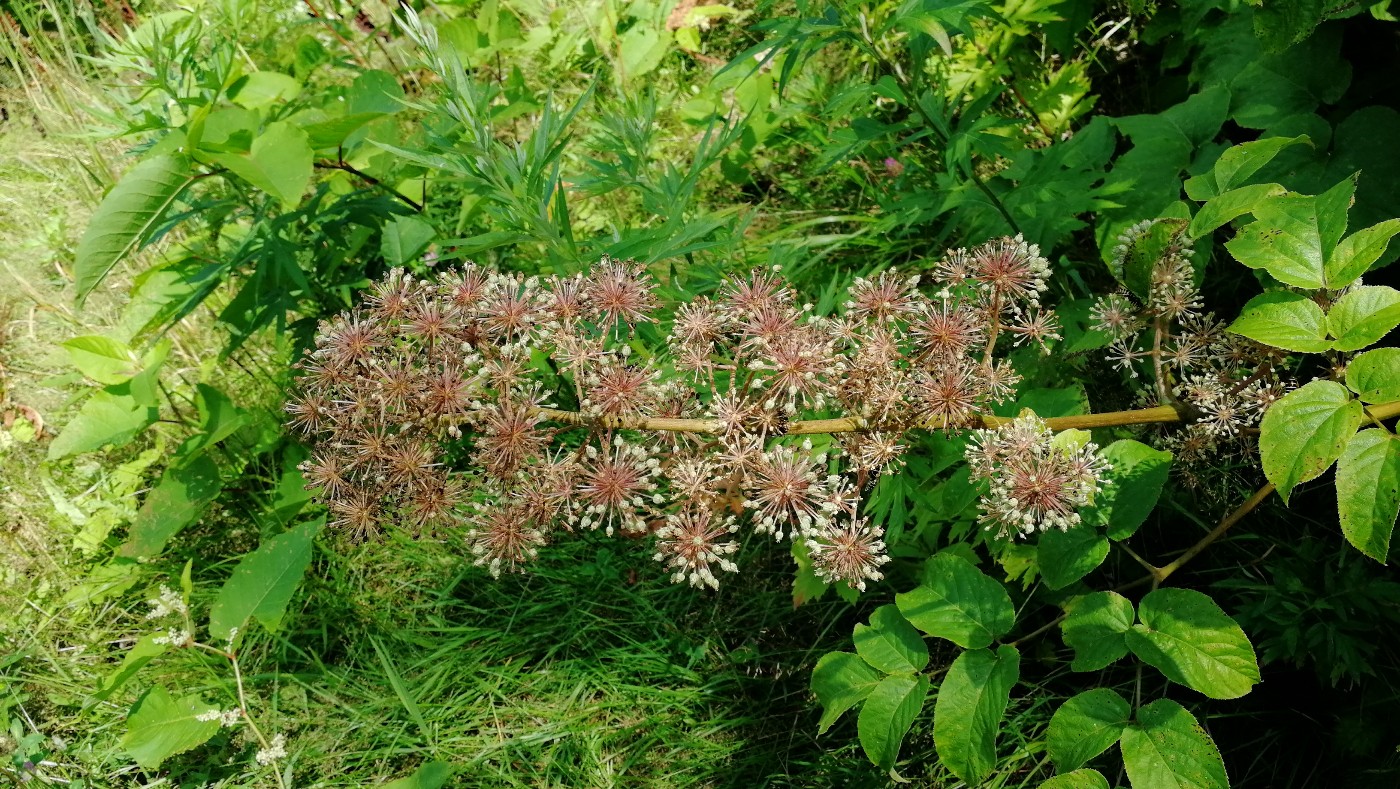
<point x="890" y="643"/>
<point x="1354" y="256"/>
<point x="1375" y="375"/>
<point x="127" y="217"/>
<point x="1305" y="432"/>
<point x="958" y="602"/>
<point x="1186" y="636"/>
<point x="887" y="714"/>
<point x="840" y="681"/>
<point x="1079" y="779"/>
<point x="279" y="162"/>
<point x="1066" y="556"/>
<point x="1368" y="491"/>
<point x="1362" y="316"/>
<point x="1292" y="235"/>
<point x="405" y="237"/>
<point x="1136" y="479"/>
<point x="1095" y="627"/>
<point x="1167" y="749"/>
<point x="1225" y="208"/>
<point x="104" y="419"/>
<point x="431" y="775"/>
<point x="971" y="703"/>
<point x="1286" y="320"/>
<point x="103" y="359"/>
<point x="159" y="727"/>
<point x="262" y="584"/>
<point x="1085" y="726"/>
<point x="263" y="89"/>
<point x="181" y="496"/>
<point x="1237" y="164"/>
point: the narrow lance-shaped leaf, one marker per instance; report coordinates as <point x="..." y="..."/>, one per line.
<point x="127" y="217"/>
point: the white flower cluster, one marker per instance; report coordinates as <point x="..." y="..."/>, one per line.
<point x="1035" y="481"/>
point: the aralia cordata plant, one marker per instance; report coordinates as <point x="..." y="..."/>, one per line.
<point x="688" y="447"/>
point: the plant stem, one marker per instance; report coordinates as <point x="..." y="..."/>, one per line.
<point x="372" y="181"/>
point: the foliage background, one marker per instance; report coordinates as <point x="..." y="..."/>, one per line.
<point x="807" y="135"/>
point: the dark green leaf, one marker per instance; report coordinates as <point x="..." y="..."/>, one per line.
<point x="890" y="643"/>
<point x="127" y="217"/>
<point x="969" y="710"/>
<point x="1186" y="636"/>
<point x="840" y="681"/>
<point x="176" y="502"/>
<point x="1085" y="726"/>
<point x="958" y="602"/>
<point x="1095" y="629"/>
<point x="262" y="584"/>
<point x="1368" y="491"/>
<point x="1167" y="749"/>
<point x="405" y="237"/>
<point x="1305" y="432"/>
<point x="138" y="656"/>
<point x="1136" y="481"/>
<point x="1066" y="556"/>
<point x="887" y="714"/>
<point x="374" y="91"/>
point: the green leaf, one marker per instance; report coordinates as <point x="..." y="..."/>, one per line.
<point x="1085" y="726"/>
<point x="887" y="714"/>
<point x="1286" y="320"/>
<point x="890" y="643"/>
<point x="374" y="91"/>
<point x="1079" y="779"/>
<point x="970" y="706"/>
<point x="333" y="133"/>
<point x="1186" y="636"/>
<point x="431" y="775"/>
<point x="958" y="602"/>
<point x="1305" y="431"/>
<point x="279" y="162"/>
<point x="1375" y="375"/>
<point x="263" y="89"/>
<point x="1354" y="256"/>
<point x="219" y="418"/>
<point x="841" y="680"/>
<point x="141" y="653"/>
<point x="104" y="419"/>
<point x="263" y="582"/>
<point x="1066" y="556"/>
<point x="405" y="237"/>
<point x="1136" y="481"/>
<point x="1368" y="491"/>
<point x="103" y="359"/>
<point x="127" y="217"/>
<point x="1167" y="749"/>
<point x="159" y="727"/>
<point x="1363" y="315"/>
<point x="183" y="493"/>
<point x="1237" y="164"/>
<point x="1294" y="234"/>
<point x="1095" y="629"/>
<point x="1226" y="208"/>
<point x="1280" y="24"/>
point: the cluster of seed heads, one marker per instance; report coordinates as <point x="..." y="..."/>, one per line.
<point x="1224" y="381"/>
<point x="516" y="409"/>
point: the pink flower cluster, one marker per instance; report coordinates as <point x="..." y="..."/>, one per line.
<point x="517" y="409"/>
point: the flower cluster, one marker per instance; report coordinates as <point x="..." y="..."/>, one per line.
<point x="1036" y="480"/>
<point x="1224" y="380"/>
<point x="543" y="387"/>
